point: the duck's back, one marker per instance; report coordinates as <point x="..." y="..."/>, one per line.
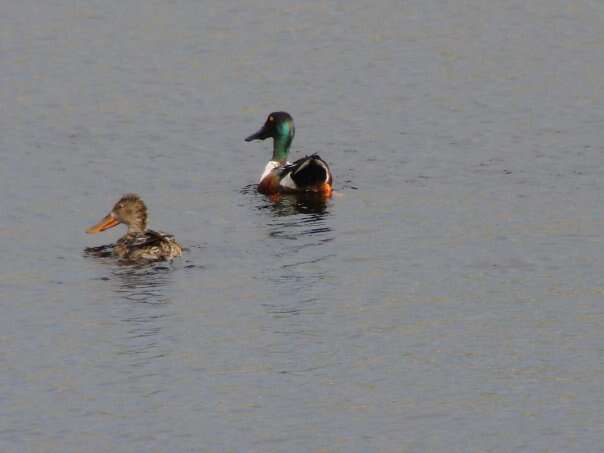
<point x="310" y="173"/>
<point x="148" y="246"/>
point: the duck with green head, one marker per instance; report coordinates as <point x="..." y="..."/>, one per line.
<point x="308" y="174"/>
<point x="139" y="244"/>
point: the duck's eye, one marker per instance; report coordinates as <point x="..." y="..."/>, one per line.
<point x="271" y="119"/>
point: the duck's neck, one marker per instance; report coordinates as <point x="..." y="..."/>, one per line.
<point x="137" y="226"/>
<point x="282" y="141"/>
<point x="281" y="148"/>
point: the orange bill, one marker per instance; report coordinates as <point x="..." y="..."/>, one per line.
<point x="109" y="221"/>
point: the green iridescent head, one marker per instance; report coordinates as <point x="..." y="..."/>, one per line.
<point x="279" y="126"/>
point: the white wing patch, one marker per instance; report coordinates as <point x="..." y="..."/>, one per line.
<point x="322" y="164"/>
<point x="288" y="182"/>
<point x="303" y="165"/>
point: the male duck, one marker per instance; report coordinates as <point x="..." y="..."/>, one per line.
<point x="139" y="243"/>
<point x="308" y="174"/>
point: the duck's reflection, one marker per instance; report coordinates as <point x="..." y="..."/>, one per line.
<point x="288" y="205"/>
<point x="141" y="283"/>
<point x="142" y="312"/>
<point x="283" y="205"/>
<point x="298" y="270"/>
<point x="299" y="237"/>
<point x="298" y="217"/>
<point x="144" y="283"/>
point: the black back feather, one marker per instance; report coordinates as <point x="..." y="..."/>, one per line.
<point x="308" y="171"/>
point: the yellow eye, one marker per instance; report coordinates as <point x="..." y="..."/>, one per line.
<point x="270" y="118"/>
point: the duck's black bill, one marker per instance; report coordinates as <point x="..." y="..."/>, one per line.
<point x="260" y="135"/>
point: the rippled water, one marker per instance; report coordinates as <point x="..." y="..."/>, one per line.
<point x="447" y="298"/>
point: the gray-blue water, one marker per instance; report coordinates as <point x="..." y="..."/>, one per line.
<point x="448" y="298"/>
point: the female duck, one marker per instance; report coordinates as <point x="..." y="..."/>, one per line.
<point x="139" y="243"/>
<point x="308" y="174"/>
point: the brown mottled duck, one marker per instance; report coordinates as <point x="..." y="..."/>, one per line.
<point x="139" y="244"/>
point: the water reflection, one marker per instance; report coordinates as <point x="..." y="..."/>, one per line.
<point x="143" y="311"/>
<point x="288" y="205"/>
<point x="140" y="303"/>
<point x="282" y="205"/>
<point x="299" y="245"/>
<point x="298" y="256"/>
<point x="142" y="283"/>
<point x="293" y="216"/>
<point x="287" y="309"/>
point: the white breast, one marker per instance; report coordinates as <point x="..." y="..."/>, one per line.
<point x="272" y="164"/>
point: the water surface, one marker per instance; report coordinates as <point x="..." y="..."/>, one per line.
<point x="447" y="298"/>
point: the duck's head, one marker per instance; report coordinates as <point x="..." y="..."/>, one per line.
<point x="279" y="126"/>
<point x="129" y="210"/>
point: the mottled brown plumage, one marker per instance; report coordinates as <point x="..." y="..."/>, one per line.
<point x="139" y="243"/>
